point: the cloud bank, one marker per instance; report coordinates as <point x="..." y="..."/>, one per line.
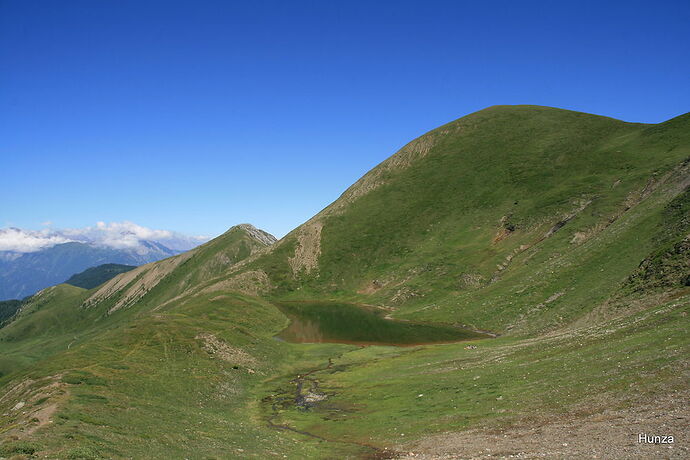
<point x="17" y="240"/>
<point x="116" y="235"/>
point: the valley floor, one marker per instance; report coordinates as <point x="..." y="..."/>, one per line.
<point x="584" y="392"/>
<point x="189" y="387"/>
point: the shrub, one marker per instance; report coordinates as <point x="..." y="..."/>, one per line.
<point x="18" y="447"/>
<point x="83" y="453"/>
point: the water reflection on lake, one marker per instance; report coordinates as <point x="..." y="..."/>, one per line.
<point x="335" y="322"/>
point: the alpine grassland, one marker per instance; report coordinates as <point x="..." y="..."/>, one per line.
<point x="95" y="276"/>
<point x="558" y="241"/>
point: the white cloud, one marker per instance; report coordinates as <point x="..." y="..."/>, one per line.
<point x="117" y="235"/>
<point x="14" y="239"/>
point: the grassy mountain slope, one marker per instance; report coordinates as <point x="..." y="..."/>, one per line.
<point x="95" y="276"/>
<point x="465" y="215"/>
<point x="66" y="314"/>
<point x="8" y="308"/>
<point x="565" y="233"/>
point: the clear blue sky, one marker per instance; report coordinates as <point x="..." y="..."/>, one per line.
<point x="197" y="115"/>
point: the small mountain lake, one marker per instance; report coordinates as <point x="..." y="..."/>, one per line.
<point x="335" y="322"/>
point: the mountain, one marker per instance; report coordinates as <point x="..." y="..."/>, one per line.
<point x="559" y="239"/>
<point x="23" y="274"/>
<point x="95" y="276"/>
<point x="51" y="314"/>
<point x="475" y="210"/>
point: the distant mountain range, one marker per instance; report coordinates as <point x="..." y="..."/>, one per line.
<point x="33" y="260"/>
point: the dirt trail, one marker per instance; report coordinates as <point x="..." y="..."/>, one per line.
<point x="30" y="405"/>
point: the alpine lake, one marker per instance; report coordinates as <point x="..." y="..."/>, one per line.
<point x="337" y="322"/>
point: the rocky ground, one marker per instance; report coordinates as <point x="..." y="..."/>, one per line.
<point x="611" y="434"/>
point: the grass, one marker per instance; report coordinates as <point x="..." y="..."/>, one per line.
<point x="387" y="396"/>
<point x="118" y="407"/>
<point x="95" y="276"/>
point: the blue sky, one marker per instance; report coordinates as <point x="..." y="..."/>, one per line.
<point x="195" y="116"/>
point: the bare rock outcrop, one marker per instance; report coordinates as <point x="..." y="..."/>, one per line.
<point x="308" y="248"/>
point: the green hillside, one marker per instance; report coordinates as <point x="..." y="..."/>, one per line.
<point x="465" y="215"/>
<point x="563" y="236"/>
<point x="95" y="276"/>
<point x="8" y="308"/>
<point x="65" y="314"/>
